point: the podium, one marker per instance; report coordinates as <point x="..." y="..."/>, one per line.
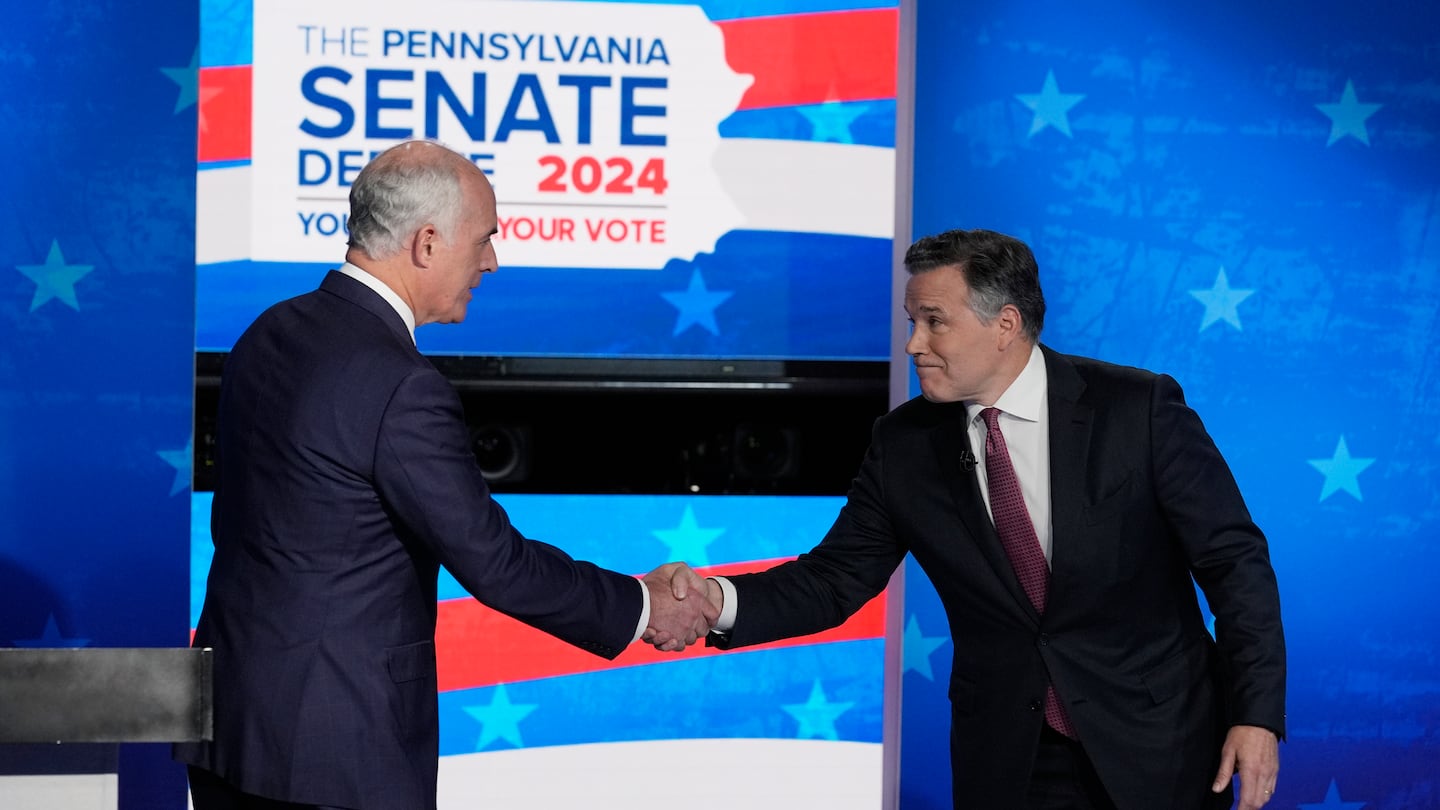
<point x="105" y="695"/>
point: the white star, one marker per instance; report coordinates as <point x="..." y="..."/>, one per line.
<point x="1220" y="302"/>
<point x="1050" y="105"/>
<point x="917" y="647"/>
<point x="817" y="715"/>
<point x="1347" y="116"/>
<point x="688" y="541"/>
<point x="1341" y="471"/>
<point x="697" y="305"/>
<point x="501" y="719"/>
<point x="54" y="278"/>
<point x="181" y="460"/>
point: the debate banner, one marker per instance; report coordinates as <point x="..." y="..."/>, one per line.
<point x="721" y="172"/>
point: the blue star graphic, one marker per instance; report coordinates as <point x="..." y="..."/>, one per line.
<point x="54" y="278"/>
<point x="831" y="120"/>
<point x="688" y="541"/>
<point x="500" y="720"/>
<point x="181" y="460"/>
<point x="1347" y="116"/>
<point x="52" y="638"/>
<point x="917" y="648"/>
<point x="1050" y="105"/>
<point x="188" y="78"/>
<point x="697" y="305"/>
<point x="1332" y="801"/>
<point x="1341" y="471"/>
<point x="1220" y="302"/>
<point x="817" y="715"/>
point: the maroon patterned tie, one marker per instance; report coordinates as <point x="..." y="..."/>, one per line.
<point x="1017" y="534"/>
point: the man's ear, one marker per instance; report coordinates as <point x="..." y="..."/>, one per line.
<point x="422" y="245"/>
<point x="1011" y="323"/>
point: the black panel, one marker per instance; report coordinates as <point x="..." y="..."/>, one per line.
<point x="666" y="427"/>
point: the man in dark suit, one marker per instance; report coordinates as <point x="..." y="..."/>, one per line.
<point x="345" y="480"/>
<point x="1063" y="549"/>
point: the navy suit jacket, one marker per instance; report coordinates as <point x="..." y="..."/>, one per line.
<point x="345" y="480"/>
<point x="1141" y="501"/>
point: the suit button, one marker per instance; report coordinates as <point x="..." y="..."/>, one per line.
<point x="1035" y="706"/>
<point x="1044" y="640"/>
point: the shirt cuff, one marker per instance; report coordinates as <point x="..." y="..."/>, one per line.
<point x="727" y="610"/>
<point x="644" y="611"/>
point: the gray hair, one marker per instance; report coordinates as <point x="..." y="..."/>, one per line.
<point x="401" y="189"/>
<point x="998" y="269"/>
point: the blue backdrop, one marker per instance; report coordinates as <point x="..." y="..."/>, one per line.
<point x="1245" y="196"/>
<point x="97" y="328"/>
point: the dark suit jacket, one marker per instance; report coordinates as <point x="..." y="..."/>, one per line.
<point x="345" y="480"/>
<point x="1141" y="501"/>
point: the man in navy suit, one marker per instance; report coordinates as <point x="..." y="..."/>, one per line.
<point x="345" y="481"/>
<point x="1104" y="689"/>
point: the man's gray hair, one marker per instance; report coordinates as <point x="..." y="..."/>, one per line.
<point x="400" y="190"/>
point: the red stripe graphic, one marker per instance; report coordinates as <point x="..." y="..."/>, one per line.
<point x="478" y="647"/>
<point x="224" y="113"/>
<point x="813" y="58"/>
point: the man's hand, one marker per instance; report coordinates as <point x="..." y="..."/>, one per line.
<point x="682" y="584"/>
<point x="679" y="611"/>
<point x="1254" y="753"/>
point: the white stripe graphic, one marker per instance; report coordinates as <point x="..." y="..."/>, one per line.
<point x="810" y="187"/>
<point x="93" y="791"/>
<point x="778" y="775"/>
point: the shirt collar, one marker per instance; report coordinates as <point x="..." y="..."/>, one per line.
<point x="383" y="290"/>
<point x="1025" y="395"/>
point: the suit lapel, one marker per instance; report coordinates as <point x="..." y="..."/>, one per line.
<point x="951" y="444"/>
<point x="1070" y="426"/>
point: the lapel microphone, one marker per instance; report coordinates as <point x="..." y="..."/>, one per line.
<point x="967" y="460"/>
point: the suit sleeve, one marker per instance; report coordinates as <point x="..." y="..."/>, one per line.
<point x="435" y="492"/>
<point x="823" y="587"/>
<point x="1228" y="556"/>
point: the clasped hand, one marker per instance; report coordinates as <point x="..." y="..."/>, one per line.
<point x="681" y="610"/>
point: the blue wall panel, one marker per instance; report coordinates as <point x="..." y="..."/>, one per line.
<point x="1243" y="196"/>
<point x="96" y="336"/>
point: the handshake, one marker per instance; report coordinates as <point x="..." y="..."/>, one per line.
<point x="683" y="606"/>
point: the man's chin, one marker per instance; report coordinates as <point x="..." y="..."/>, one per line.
<point x="937" y="397"/>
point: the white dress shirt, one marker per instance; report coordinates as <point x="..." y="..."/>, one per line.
<point x="1025" y="424"/>
<point x="383" y="290"/>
